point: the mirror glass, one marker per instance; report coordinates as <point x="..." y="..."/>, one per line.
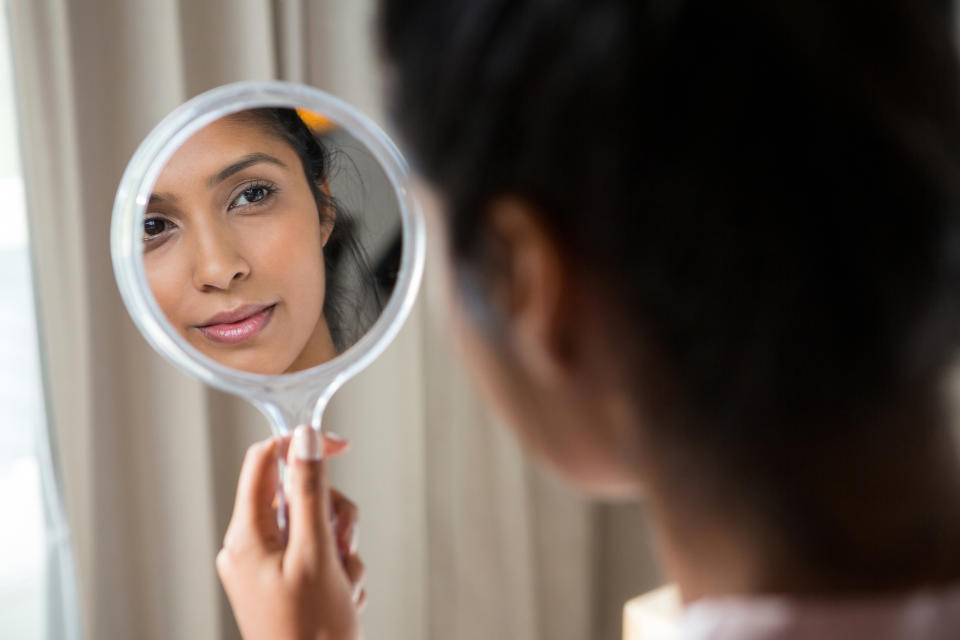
<point x="271" y="240"/>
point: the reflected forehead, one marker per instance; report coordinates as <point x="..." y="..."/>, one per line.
<point x="218" y="151"/>
<point x="257" y="157"/>
<point x="240" y="164"/>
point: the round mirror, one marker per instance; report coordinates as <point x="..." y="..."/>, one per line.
<point x="265" y="240"/>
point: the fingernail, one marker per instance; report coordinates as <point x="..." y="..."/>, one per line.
<point x="306" y="443"/>
<point x="355" y="539"/>
<point x="336" y="437"/>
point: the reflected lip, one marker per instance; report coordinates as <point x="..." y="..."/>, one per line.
<point x="236" y="315"/>
<point x="237" y="325"/>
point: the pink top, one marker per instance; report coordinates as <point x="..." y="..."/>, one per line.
<point x="933" y="615"/>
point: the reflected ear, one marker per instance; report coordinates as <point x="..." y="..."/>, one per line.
<point x="530" y="281"/>
<point x="328" y="216"/>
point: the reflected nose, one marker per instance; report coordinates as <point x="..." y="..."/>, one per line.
<point x="218" y="264"/>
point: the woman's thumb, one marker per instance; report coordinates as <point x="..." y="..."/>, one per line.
<point x="308" y="493"/>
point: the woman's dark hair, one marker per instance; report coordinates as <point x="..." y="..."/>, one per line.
<point x="769" y="189"/>
<point x="353" y="296"/>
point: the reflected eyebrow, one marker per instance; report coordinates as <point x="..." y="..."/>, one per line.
<point x="162" y="197"/>
<point x="241" y="164"/>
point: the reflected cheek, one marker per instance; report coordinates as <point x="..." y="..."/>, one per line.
<point x="290" y="265"/>
<point x="170" y="287"/>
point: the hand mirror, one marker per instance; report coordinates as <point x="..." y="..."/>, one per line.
<point x="265" y="240"/>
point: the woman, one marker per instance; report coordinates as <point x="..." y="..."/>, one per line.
<point x="247" y="252"/>
<point x="709" y="254"/>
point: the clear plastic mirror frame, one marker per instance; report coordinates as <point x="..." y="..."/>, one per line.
<point x="288" y="399"/>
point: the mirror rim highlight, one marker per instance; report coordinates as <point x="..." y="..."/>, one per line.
<point x="133" y="195"/>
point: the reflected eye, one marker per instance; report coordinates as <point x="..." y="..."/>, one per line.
<point x="251" y="195"/>
<point x="153" y="227"/>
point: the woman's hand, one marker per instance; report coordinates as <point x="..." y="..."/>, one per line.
<point x="308" y="586"/>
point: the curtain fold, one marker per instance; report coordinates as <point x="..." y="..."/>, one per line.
<point x="461" y="536"/>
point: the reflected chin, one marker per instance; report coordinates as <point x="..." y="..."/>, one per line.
<point x="260" y="360"/>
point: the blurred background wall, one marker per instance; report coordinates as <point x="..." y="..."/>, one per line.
<point x="462" y="537"/>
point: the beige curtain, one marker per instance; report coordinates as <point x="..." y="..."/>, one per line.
<point x="462" y="537"/>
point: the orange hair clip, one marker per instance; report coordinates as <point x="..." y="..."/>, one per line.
<point x="316" y="122"/>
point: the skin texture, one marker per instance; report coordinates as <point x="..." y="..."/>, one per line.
<point x="214" y="245"/>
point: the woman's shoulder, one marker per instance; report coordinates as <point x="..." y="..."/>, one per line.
<point x="660" y="615"/>
<point x="931" y="615"/>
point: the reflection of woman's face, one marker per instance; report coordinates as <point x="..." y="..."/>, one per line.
<point x="233" y="249"/>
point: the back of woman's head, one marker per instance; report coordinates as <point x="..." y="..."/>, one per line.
<point x="768" y="189"/>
